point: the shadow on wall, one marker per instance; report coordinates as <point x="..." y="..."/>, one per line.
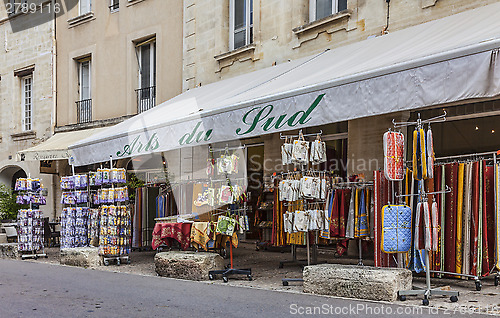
<point x="33" y="14"/>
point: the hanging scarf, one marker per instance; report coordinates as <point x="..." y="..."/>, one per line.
<point x="419" y="155"/>
<point x="351" y="216"/>
<point x="430" y="154"/>
<point x="362" y="225"/>
<point x="435" y="226"/>
<point x="417" y="263"/>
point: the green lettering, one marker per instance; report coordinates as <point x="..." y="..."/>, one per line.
<point x="208" y="135"/>
<point x="303" y="120"/>
<point x="279" y="123"/>
<point x="256" y="120"/>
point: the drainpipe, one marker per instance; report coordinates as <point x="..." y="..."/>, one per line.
<point x="53" y="115"/>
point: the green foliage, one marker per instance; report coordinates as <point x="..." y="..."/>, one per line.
<point x="133" y="183"/>
<point x="8" y="206"/>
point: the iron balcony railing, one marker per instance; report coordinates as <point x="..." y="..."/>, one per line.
<point x="84" y="111"/>
<point x="146" y="98"/>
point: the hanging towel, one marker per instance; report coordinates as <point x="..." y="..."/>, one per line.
<point x="351" y="216"/>
<point x="417" y="264"/>
<point x="435" y="226"/>
<point x="200" y="235"/>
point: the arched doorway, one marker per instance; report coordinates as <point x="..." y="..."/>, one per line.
<point x="10" y="174"/>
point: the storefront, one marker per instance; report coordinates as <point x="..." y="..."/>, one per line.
<point x="217" y="150"/>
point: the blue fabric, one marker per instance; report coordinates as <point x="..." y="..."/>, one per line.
<point x="396" y="228"/>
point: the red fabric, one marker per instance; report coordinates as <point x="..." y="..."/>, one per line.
<point x="451" y="179"/>
<point x="334" y="224"/>
<point x="475" y="217"/>
<point x="377" y="257"/>
<point x="164" y="233"/>
<point x="488" y="218"/>
<point x="438" y="175"/>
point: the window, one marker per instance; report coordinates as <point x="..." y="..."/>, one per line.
<point x="319" y="9"/>
<point x="114" y="5"/>
<point x="146" y="57"/>
<point x="27" y="102"/>
<point x="240" y="23"/>
<point x="84" y="105"/>
<point x="85" y="6"/>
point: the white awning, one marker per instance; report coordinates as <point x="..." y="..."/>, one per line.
<point x="447" y="60"/>
<point x="56" y="147"/>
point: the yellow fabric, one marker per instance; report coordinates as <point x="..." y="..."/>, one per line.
<point x="460" y="193"/>
<point x="199" y="235"/>
<point x="356" y="214"/>
<point x="423" y="154"/>
<point x="414" y="161"/>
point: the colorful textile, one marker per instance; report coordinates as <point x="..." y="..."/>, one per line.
<point x="328" y="211"/>
<point x="467" y="219"/>
<point x="419" y="155"/>
<point x="430" y="154"/>
<point x="362" y="228"/>
<point x="334" y="223"/>
<point x="435" y="226"/>
<point x="475" y="218"/>
<point x="488" y="218"/>
<point x="200" y="235"/>
<point x="451" y="178"/>
<point x="394" y="155"/>
<point x="164" y="233"/>
<point x="351" y="216"/>
<point x="460" y="200"/>
<point x="497" y="213"/>
<point x="396" y="228"/>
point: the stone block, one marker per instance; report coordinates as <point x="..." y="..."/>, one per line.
<point x="187" y="265"/>
<point x="3" y="238"/>
<point x="9" y="250"/>
<point x="351" y="281"/>
<point x="81" y="257"/>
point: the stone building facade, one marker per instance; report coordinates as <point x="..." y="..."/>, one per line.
<point x="27" y="85"/>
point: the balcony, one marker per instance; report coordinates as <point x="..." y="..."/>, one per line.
<point x="114" y="7"/>
<point x="84" y="111"/>
<point x="146" y="98"/>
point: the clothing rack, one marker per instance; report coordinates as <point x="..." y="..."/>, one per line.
<point x="300" y="134"/>
<point x="428" y="291"/>
<point x="227" y="148"/>
<point x="420" y="122"/>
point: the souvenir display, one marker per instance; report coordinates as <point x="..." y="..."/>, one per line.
<point x="74" y="227"/>
<point x="318" y="151"/>
<point x="115" y="231"/>
<point x="30" y="230"/>
<point x="27" y="184"/>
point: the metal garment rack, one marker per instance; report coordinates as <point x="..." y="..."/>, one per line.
<point x="300" y="135"/>
<point x="493" y="155"/>
<point x="231" y="270"/>
<point x="428" y="291"/>
<point x="348" y="184"/>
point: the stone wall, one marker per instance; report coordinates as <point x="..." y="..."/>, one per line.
<point x="290" y="36"/>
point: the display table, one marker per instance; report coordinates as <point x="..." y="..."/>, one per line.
<point x="164" y="233"/>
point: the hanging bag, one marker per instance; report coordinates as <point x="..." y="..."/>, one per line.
<point x="225" y="225"/>
<point x="300" y="150"/>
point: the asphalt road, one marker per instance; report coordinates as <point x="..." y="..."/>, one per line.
<point x="29" y="289"/>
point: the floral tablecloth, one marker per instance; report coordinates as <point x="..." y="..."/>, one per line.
<point x="164" y="233"/>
